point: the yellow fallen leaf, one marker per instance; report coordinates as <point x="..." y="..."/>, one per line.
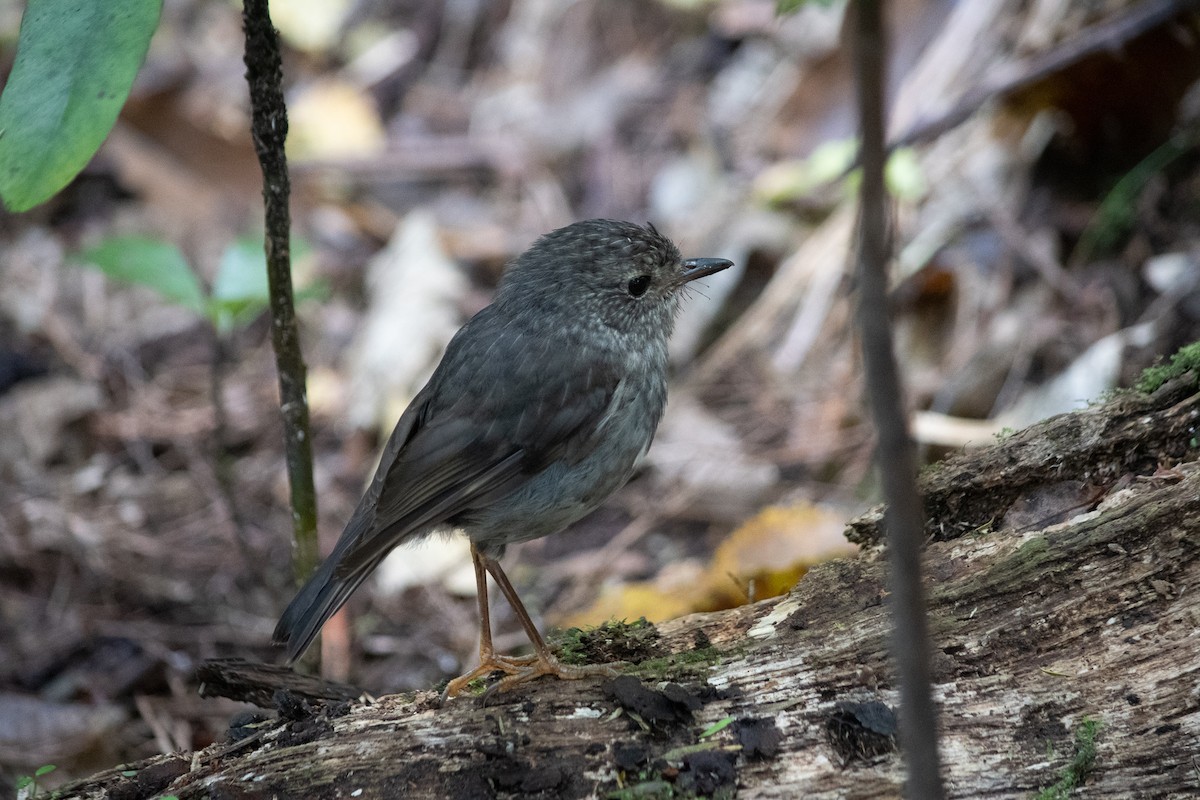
<point x="775" y="548"/>
<point x="770" y="552"/>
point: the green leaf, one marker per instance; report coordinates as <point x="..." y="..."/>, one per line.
<point x="242" y="274"/>
<point x="831" y="159"/>
<point x="157" y="265"/>
<point x="1115" y="217"/>
<point x="716" y="727"/>
<point x="783" y="7"/>
<point x="904" y="176"/>
<point x="830" y="162"/>
<point x="789" y="180"/>
<point x="76" y="61"/>
<point x="240" y="291"/>
<point x="45" y="769"/>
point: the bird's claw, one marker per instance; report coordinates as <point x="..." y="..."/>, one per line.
<point x="520" y="669"/>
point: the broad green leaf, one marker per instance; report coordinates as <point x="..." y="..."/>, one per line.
<point x="157" y="265"/>
<point x="76" y="61"/>
<point x="240" y="291"/>
<point x="242" y="274"/>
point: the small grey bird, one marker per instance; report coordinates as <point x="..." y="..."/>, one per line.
<point x="540" y="409"/>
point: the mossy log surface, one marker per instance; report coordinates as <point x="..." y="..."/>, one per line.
<point x="1039" y="631"/>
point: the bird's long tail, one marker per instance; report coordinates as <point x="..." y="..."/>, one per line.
<point x="319" y="599"/>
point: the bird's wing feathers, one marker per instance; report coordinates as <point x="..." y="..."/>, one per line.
<point x="473" y="435"/>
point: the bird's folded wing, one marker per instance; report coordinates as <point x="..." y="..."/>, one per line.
<point x="455" y="452"/>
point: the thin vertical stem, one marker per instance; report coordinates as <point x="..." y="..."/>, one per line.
<point x="264" y="72"/>
<point x="904" y="518"/>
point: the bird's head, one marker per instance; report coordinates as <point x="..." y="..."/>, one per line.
<point x="625" y="276"/>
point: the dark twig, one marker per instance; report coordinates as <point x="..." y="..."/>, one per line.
<point x="269" y="127"/>
<point x="896" y="452"/>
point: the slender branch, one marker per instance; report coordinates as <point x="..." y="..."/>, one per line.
<point x="264" y="75"/>
<point x="896" y="452"/>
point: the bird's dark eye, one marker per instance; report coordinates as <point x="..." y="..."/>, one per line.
<point x="639" y="285"/>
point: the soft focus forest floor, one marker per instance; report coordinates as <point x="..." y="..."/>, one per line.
<point x="1048" y="250"/>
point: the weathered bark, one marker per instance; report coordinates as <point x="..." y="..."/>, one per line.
<point x="1035" y="632"/>
<point x="1130" y="435"/>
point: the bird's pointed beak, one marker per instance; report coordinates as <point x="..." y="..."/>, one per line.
<point x="694" y="268"/>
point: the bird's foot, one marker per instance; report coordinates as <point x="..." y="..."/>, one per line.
<point x="509" y="665"/>
<point x="520" y="669"/>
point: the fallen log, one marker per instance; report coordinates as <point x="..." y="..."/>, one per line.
<point x="1067" y="655"/>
